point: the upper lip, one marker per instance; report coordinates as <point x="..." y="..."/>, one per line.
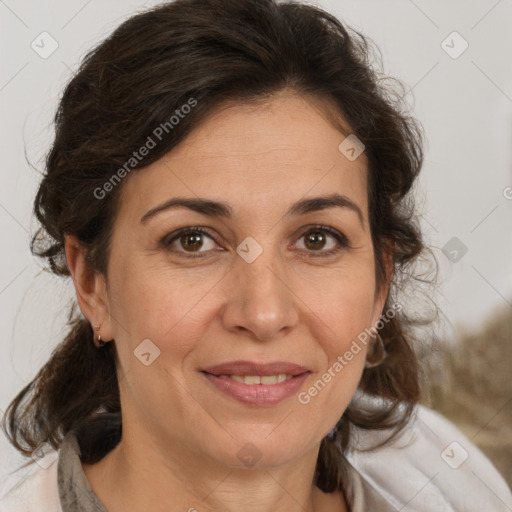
<point x="252" y="368"/>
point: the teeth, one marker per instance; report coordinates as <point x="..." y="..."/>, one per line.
<point x="249" y="379"/>
<point x="256" y="379"/>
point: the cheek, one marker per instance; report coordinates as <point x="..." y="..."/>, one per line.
<point x="160" y="305"/>
<point x="350" y="315"/>
<point x="345" y="313"/>
<point x="344" y="305"/>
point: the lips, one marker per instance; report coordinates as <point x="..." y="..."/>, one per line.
<point x="257" y="384"/>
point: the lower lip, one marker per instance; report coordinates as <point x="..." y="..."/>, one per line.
<point x="258" y="394"/>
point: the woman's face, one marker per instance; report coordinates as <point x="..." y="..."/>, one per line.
<point x="261" y="285"/>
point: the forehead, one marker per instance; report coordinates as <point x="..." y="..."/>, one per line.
<point x="251" y="156"/>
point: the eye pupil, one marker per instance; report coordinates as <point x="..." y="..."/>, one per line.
<point x="316" y="238"/>
<point x="195" y="244"/>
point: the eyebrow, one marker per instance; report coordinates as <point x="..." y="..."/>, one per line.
<point x="212" y="208"/>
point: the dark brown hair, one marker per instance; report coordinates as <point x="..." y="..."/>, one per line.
<point x="215" y="51"/>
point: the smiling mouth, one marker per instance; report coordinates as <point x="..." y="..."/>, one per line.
<point x="256" y="382"/>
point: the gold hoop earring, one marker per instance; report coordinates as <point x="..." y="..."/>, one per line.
<point x="377" y="355"/>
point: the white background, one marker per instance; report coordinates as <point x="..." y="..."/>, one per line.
<point x="464" y="104"/>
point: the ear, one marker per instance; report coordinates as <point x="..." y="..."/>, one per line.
<point x="381" y="295"/>
<point x="90" y="287"/>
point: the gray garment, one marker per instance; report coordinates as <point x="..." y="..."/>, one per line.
<point x="75" y="493"/>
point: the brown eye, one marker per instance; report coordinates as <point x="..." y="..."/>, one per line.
<point x="315" y="240"/>
<point x="318" y="238"/>
<point x="189" y="240"/>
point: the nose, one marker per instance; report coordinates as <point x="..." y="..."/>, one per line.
<point x="261" y="301"/>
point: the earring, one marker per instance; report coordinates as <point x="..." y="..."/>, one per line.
<point x="378" y="354"/>
<point x="100" y="343"/>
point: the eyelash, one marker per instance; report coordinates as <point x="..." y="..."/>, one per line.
<point x="341" y="239"/>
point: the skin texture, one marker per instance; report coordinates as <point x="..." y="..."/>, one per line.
<point x="181" y="435"/>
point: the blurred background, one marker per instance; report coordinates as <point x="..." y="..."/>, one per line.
<point x="454" y="58"/>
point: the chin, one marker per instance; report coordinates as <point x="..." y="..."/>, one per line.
<point x="260" y="452"/>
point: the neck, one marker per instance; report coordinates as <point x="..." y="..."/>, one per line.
<point x="139" y="476"/>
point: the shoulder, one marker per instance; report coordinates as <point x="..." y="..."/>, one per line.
<point x="57" y="478"/>
<point x="432" y="465"/>
<point x="32" y="489"/>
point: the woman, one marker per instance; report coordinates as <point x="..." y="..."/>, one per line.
<point x="237" y="348"/>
